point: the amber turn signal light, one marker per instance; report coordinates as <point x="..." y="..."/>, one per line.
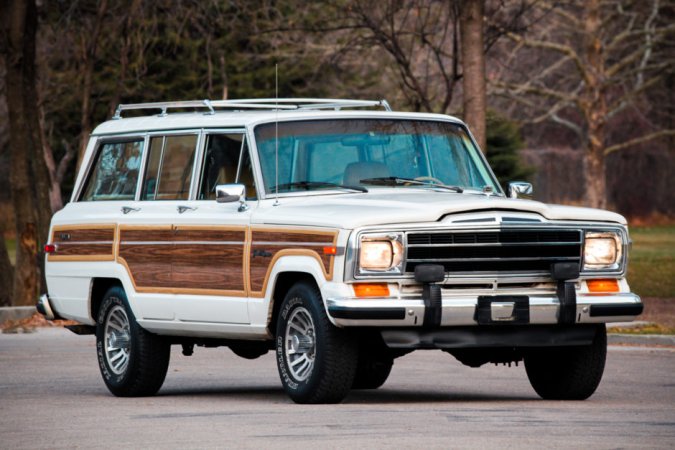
<point x="602" y="285"/>
<point x="371" y="290"/>
<point x="330" y="251"/>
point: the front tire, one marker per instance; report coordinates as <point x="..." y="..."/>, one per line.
<point x="568" y="373"/>
<point x="316" y="360"/>
<point x="133" y="362"/>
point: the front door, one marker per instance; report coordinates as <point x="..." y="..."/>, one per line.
<point x="210" y="255"/>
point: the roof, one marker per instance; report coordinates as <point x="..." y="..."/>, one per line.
<point x="245" y="113"/>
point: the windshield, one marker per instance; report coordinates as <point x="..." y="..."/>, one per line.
<point x="344" y="153"/>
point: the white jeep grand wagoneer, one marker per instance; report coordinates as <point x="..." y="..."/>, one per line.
<point x="336" y="234"/>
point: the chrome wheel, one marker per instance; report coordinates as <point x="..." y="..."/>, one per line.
<point x="300" y="344"/>
<point x="117" y="339"/>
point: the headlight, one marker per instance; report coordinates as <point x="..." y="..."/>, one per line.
<point x="602" y="250"/>
<point x="381" y="253"/>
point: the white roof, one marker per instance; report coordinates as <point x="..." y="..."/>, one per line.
<point x="242" y="119"/>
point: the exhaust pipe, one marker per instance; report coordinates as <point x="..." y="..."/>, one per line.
<point x="45" y="308"/>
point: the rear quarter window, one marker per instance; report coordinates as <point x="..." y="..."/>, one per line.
<point x="114" y="173"/>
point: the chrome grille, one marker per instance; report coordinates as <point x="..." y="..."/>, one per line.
<point x="501" y="251"/>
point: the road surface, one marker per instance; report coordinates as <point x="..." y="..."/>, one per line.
<point x="52" y="396"/>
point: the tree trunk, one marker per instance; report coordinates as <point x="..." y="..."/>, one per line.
<point x="29" y="178"/>
<point x="6" y="274"/>
<point x="473" y="68"/>
<point x="594" y="106"/>
<point x="594" y="175"/>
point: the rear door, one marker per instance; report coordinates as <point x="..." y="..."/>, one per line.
<point x="147" y="232"/>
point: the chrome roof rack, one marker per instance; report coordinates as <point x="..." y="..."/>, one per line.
<point x="284" y="104"/>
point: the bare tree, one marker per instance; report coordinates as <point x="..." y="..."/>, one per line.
<point x="474" y="96"/>
<point x="597" y="59"/>
<point x="29" y="176"/>
<point x="421" y="39"/>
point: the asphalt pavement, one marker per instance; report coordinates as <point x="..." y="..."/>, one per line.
<point x="52" y="396"/>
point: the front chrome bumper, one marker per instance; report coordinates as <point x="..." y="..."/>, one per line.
<point x="461" y="310"/>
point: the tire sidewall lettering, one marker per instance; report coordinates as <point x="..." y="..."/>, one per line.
<point x="288" y="380"/>
<point x="107" y="374"/>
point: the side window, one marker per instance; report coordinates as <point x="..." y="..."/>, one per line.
<point x="221" y="160"/>
<point x="114" y="173"/>
<point x="226" y="160"/>
<point x="169" y="170"/>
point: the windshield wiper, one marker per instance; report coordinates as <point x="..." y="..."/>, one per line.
<point x="398" y="181"/>
<point x="308" y="185"/>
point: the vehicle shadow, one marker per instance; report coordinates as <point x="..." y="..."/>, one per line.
<point x="379" y="396"/>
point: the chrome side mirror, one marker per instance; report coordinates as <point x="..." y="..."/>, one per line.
<point x="228" y="193"/>
<point x="520" y="189"/>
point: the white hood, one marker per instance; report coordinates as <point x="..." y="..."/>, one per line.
<point x="382" y="206"/>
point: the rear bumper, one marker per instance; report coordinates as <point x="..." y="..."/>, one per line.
<point x="459" y="311"/>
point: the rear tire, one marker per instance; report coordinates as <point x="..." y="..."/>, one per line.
<point x="316" y="360"/>
<point x="568" y="373"/>
<point x="133" y="362"/>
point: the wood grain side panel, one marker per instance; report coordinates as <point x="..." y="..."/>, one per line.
<point x="217" y="267"/>
<point x="83" y="242"/>
<point x="148" y="265"/>
<point x="206" y="260"/>
<point x="84" y="249"/>
<point x="165" y="234"/>
<point x="285" y="236"/>
<point x="265" y="250"/>
<point x="86" y="235"/>
<point x="187" y="234"/>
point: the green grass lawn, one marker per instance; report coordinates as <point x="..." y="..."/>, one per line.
<point x="651" y="269"/>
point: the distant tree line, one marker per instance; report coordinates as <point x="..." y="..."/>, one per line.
<point x="595" y="75"/>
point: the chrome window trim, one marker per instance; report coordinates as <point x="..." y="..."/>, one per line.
<point x="351" y="255"/>
<point x="164" y="134"/>
<point x="199" y="168"/>
<point x="100" y="141"/>
<point x="265" y="195"/>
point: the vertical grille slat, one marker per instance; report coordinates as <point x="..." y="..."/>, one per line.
<point x="506" y="251"/>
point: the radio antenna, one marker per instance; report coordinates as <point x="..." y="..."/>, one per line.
<point x="276" y="134"/>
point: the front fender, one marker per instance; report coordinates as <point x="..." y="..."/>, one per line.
<point x="260" y="308"/>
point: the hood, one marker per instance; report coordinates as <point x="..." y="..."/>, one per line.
<point x="388" y="206"/>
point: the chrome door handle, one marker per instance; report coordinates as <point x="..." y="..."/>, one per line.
<point x="181" y="209"/>
<point x="128" y="209"/>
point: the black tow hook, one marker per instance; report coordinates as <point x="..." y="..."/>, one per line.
<point x="565" y="290"/>
<point x="428" y="275"/>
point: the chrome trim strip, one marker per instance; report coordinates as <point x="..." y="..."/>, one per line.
<point x="59" y="243"/>
<point x="497" y="244"/>
<point x="294" y="244"/>
<point x="505" y="259"/>
<point x="182" y="242"/>
<point x="459" y="310"/>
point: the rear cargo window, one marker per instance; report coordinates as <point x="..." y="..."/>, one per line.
<point x="115" y="172"/>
